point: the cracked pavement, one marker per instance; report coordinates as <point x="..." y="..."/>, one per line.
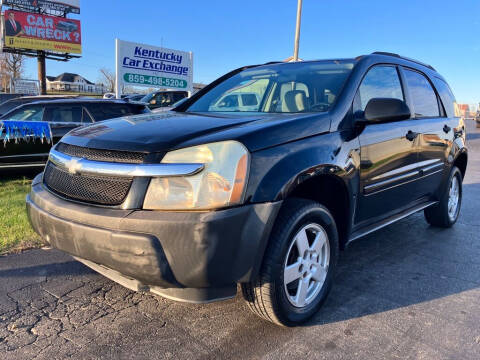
<point x="406" y="291"/>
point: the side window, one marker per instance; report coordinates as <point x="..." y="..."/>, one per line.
<point x="163" y="99"/>
<point x="380" y="82"/>
<point x="64" y="113"/>
<point x="423" y="96"/>
<point x="249" y="100"/>
<point x="29" y="113"/>
<point x="448" y="99"/>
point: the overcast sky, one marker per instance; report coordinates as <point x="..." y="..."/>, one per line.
<point x="224" y="35"/>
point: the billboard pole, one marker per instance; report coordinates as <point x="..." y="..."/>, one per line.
<point x="42" y="77"/>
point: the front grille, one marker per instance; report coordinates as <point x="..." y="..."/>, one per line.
<point x="92" y="189"/>
<point x="101" y="155"/>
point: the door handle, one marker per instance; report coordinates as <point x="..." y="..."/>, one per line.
<point x="446" y="129"/>
<point x="411" y="135"/>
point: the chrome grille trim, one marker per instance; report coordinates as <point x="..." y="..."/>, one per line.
<point x="75" y="165"/>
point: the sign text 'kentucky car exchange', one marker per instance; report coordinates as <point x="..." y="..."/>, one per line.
<point x="42" y="32"/>
<point x="145" y="65"/>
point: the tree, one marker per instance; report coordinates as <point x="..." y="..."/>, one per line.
<point x="12" y="66"/>
<point x="107" y="78"/>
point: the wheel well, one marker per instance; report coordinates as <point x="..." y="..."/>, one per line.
<point x="461" y="163"/>
<point x="331" y="192"/>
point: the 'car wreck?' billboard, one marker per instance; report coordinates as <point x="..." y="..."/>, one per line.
<point x="42" y="32"/>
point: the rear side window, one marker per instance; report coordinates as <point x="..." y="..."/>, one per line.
<point x="448" y="99"/>
<point x="423" y="96"/>
<point x="65" y="114"/>
<point x="380" y="82"/>
<point x="110" y="111"/>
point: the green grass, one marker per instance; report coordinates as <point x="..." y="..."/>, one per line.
<point x="16" y="233"/>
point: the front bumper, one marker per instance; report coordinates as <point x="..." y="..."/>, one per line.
<point x="190" y="256"/>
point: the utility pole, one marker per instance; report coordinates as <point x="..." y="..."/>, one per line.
<point x="42" y="73"/>
<point x="297" y="30"/>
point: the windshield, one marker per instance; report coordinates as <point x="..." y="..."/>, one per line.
<point x="278" y="88"/>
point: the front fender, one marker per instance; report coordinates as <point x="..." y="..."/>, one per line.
<point x="275" y="172"/>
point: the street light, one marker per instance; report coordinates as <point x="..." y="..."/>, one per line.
<point x="297" y="30"/>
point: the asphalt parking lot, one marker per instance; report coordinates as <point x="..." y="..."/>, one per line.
<point x="406" y="291"/>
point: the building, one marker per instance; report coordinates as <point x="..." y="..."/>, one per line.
<point x="73" y="83"/>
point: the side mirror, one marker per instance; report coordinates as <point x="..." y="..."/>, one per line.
<point x="380" y="110"/>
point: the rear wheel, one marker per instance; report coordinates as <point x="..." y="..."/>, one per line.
<point x="446" y="212"/>
<point x="298" y="265"/>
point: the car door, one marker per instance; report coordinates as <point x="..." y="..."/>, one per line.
<point x="388" y="151"/>
<point x="63" y="118"/>
<point x="23" y="152"/>
<point x="434" y="127"/>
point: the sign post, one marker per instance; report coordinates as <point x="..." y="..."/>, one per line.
<point x="151" y="66"/>
<point x="118" y="90"/>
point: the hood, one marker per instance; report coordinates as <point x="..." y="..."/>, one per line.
<point x="162" y="132"/>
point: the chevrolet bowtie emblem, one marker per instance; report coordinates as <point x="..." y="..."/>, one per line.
<point x="73" y="166"/>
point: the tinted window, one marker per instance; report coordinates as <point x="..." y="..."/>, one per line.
<point x="423" y="97"/>
<point x="380" y="82"/>
<point x="275" y="88"/>
<point x="64" y="113"/>
<point x="178" y="96"/>
<point x="448" y="99"/>
<point x="249" y="99"/>
<point x="30" y="113"/>
<point x="109" y="111"/>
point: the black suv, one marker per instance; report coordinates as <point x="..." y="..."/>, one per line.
<point x="62" y="116"/>
<point x="187" y="204"/>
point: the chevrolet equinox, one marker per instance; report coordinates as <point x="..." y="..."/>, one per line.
<point x="189" y="203"/>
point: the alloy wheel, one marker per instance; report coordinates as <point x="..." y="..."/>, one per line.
<point x="306" y="265"/>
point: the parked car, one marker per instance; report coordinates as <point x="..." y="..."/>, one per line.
<point x="169" y="108"/>
<point x="63" y="116"/>
<point x="164" y="98"/>
<point x="189" y="203"/>
<point x="237" y="100"/>
<point x="13" y="103"/>
<point x="109" y="95"/>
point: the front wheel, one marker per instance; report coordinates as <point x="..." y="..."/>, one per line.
<point x="298" y="266"/>
<point x="446" y="212"/>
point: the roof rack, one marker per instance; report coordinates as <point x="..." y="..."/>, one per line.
<point x="404" y="58"/>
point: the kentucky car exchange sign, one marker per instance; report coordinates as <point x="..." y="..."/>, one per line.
<point x="151" y="66"/>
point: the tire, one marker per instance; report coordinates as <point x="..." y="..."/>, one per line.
<point x="268" y="296"/>
<point x="439" y="215"/>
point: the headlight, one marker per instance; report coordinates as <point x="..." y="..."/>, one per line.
<point x="221" y="183"/>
